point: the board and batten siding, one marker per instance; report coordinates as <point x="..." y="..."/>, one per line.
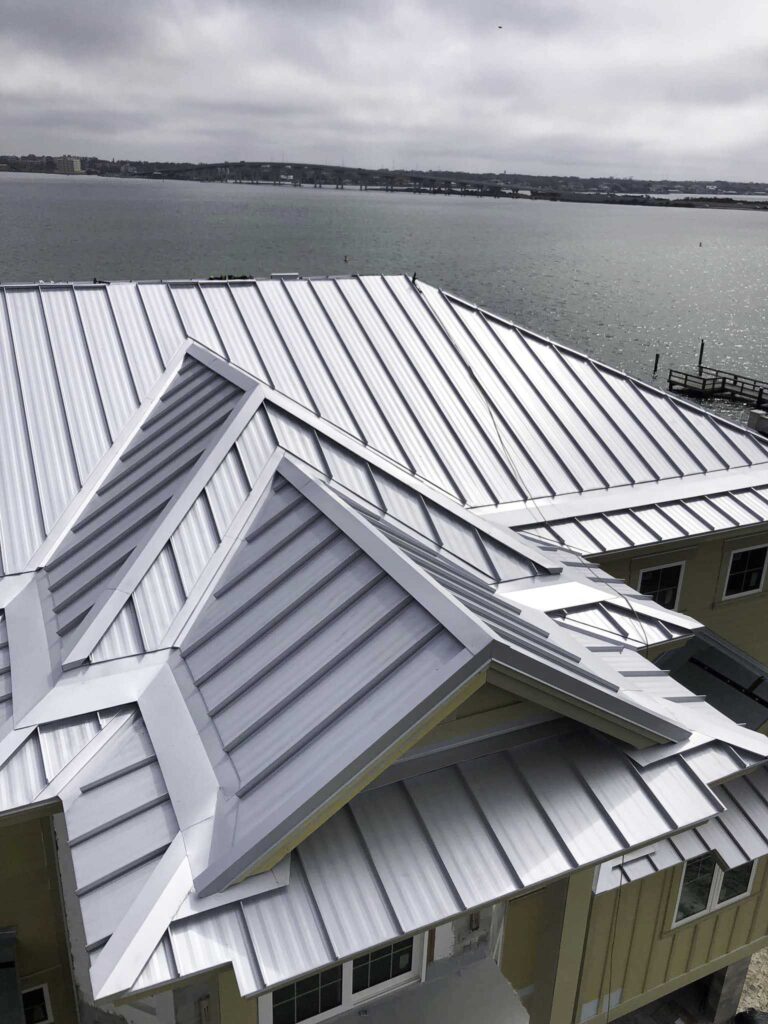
<point x="633" y="956"/>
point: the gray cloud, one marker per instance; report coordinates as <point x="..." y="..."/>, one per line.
<point x="583" y="86"/>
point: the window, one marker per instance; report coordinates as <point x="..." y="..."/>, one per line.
<point x="746" y="572"/>
<point x="705" y="886"/>
<point x="662" y="583"/>
<point x="382" y="965"/>
<point x="329" y="992"/>
<point x="307" y="998"/>
<point x="37" y="1007"/>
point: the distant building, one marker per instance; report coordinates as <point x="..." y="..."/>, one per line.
<point x="69" y="165"/>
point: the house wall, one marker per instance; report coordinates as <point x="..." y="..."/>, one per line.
<point x="526" y="921"/>
<point x="633" y="956"/>
<point x="30" y="902"/>
<point x="233" y="1009"/>
<point x="741" y="620"/>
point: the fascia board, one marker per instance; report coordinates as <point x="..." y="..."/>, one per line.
<point x="187" y="771"/>
<point x="31" y="639"/>
<point x="445" y="501"/>
<point x="563" y="692"/>
<point x="122" y="959"/>
<point x="550" y="511"/>
<point x="465" y="675"/>
<point x="466" y="627"/>
<point x="155" y="536"/>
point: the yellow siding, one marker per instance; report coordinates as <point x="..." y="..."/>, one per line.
<point x="740" y="620"/>
<point x="632" y="951"/>
<point x="487" y="698"/>
<point x="524" y="925"/>
<point x="30" y="902"/>
<point x="233" y="1009"/>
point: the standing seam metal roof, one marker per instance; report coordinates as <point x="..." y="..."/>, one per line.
<point x="661" y="522"/>
<point x="488" y="413"/>
<point x="322" y="622"/>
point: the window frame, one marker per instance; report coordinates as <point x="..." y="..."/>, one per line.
<point x="744" y="593"/>
<point x="656" y="568"/>
<point x="350" y="999"/>
<point x="714" y="891"/>
<point x="46" y="998"/>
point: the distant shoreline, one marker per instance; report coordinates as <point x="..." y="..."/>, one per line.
<point x="426" y="186"/>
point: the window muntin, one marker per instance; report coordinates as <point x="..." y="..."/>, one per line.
<point x="308" y="997"/>
<point x="382" y="965"/>
<point x="746" y="571"/>
<point x="705" y="886"/>
<point x="662" y="583"/>
<point x="36" y="1005"/>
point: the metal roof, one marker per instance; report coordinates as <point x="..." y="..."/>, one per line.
<point x="154" y="469"/>
<point x="660" y="522"/>
<point x="611" y="621"/>
<point x="737" y="836"/>
<point x="488" y="413"/>
<point x="406" y="855"/>
<point x="235" y="596"/>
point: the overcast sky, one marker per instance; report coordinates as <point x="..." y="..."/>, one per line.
<point x="665" y="88"/>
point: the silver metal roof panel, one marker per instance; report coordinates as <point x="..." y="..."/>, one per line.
<point x="502" y="414"/>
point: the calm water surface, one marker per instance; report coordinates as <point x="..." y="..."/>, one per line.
<point x="620" y="283"/>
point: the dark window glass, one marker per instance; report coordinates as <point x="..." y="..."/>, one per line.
<point x="661" y="584"/>
<point x="311" y="984"/>
<point x="35" y="1010"/>
<point x="697" y="883"/>
<point x="746" y="572"/>
<point x="360" y="976"/>
<point x="308" y="1005"/>
<point x="382" y="964"/>
<point x="330" y="996"/>
<point x="735" y="882"/>
<point x="285" y="1013"/>
<point x="307" y="997"/>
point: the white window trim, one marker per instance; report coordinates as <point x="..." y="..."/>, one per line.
<point x="714" y="890"/>
<point x="655" y="568"/>
<point x="350" y="999"/>
<point x="46" y="997"/>
<point x="744" y="593"/>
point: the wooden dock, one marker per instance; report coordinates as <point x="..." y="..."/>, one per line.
<point x="712" y="381"/>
